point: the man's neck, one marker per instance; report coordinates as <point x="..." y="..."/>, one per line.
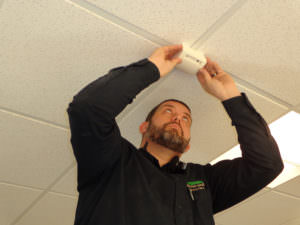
<point x="161" y="153"/>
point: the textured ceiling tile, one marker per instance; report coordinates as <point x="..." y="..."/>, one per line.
<point x="68" y="183"/>
<point x="175" y="21"/>
<point x="52" y="50"/>
<point x="260" y="44"/>
<point x="294" y="221"/>
<point x="210" y="120"/>
<point x="32" y="153"/>
<point x="268" y="209"/>
<point x="51" y="209"/>
<point x="297" y="109"/>
<point x="14" y="200"/>
<point x="291" y="187"/>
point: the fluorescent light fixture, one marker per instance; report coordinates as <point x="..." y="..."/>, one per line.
<point x="286" y="132"/>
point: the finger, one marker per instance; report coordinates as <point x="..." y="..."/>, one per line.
<point x="209" y="66"/>
<point x="208" y="63"/>
<point x="173" y="49"/>
<point x="203" y="75"/>
<point x="213" y="67"/>
<point x="217" y="67"/>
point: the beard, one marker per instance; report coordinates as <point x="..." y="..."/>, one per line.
<point x="168" y="137"/>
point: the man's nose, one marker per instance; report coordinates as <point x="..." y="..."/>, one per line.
<point x="176" y="119"/>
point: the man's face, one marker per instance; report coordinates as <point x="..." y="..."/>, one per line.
<point x="170" y="126"/>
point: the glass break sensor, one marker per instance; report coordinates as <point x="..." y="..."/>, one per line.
<point x="192" y="60"/>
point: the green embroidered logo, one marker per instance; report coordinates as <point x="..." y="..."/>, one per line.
<point x="195" y="182"/>
<point x="194" y="186"/>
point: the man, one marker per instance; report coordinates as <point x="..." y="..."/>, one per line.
<point x="119" y="184"/>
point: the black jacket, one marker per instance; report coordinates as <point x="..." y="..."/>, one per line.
<point x="119" y="184"/>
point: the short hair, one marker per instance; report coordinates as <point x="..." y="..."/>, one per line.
<point x="152" y="112"/>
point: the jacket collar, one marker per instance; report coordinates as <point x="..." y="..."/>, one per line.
<point x="173" y="166"/>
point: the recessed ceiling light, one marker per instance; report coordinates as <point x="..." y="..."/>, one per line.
<point x="286" y="131"/>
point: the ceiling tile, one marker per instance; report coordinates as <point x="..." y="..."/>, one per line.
<point x="295" y="221"/>
<point x="175" y="21"/>
<point x="260" y="44"/>
<point x="14" y="200"/>
<point x="268" y="209"/>
<point x="51" y="209"/>
<point x="52" y="50"/>
<point x="297" y="109"/>
<point x="291" y="187"/>
<point x="32" y="153"/>
<point x="68" y="183"/>
<point x="210" y="120"/>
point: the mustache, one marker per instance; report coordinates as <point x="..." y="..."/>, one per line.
<point x="173" y="123"/>
<point x="176" y="124"/>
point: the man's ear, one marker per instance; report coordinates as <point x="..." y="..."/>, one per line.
<point x="187" y="148"/>
<point x="143" y="127"/>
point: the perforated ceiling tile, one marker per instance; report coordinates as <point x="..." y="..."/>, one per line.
<point x="297" y="109"/>
<point x="14" y="200"/>
<point x="175" y="21"/>
<point x="268" y="209"/>
<point x="291" y="187"/>
<point x="260" y="44"/>
<point x="32" y="153"/>
<point x="52" y="50"/>
<point x="68" y="183"/>
<point x="51" y="209"/>
<point x="294" y="221"/>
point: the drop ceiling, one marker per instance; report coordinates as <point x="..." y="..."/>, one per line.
<point x="51" y="49"/>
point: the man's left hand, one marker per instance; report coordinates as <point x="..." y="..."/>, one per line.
<point x="221" y="85"/>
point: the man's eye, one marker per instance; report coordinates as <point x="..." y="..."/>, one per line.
<point x="186" y="119"/>
<point x="168" y="110"/>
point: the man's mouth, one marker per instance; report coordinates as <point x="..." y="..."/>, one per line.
<point x="174" y="125"/>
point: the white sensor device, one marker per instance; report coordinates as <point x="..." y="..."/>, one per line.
<point x="192" y="60"/>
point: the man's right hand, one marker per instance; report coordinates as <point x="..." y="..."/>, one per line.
<point x="163" y="58"/>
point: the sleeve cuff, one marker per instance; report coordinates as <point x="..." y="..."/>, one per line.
<point x="152" y="68"/>
<point x="238" y="106"/>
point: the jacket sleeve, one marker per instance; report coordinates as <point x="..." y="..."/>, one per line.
<point x="95" y="135"/>
<point x="232" y="181"/>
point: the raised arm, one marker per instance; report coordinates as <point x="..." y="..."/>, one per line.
<point x="95" y="135"/>
<point x="232" y="181"/>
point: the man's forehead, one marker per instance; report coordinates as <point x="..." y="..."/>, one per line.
<point x="175" y="104"/>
